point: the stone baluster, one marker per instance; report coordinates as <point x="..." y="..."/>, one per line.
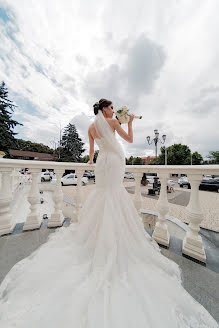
<point x="78" y="196"/>
<point x="161" y="233"/>
<point x="34" y="220"/>
<point x="6" y="221"/>
<point x="57" y="217"/>
<point x="192" y="243"/>
<point x="137" y="196"/>
<point x="15" y="179"/>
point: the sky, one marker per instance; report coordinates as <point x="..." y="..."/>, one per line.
<point x="159" y="58"/>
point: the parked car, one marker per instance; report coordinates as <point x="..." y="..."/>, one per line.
<point x="206" y="184"/>
<point x="211" y="185"/>
<point x="184" y="183"/>
<point x="46" y="176"/>
<point x="89" y="174"/>
<point x="180" y="180"/>
<point x="151" y="178"/>
<point x="170" y="182"/>
<point x="129" y="175"/>
<point x="71" y="179"/>
<point x="207" y="177"/>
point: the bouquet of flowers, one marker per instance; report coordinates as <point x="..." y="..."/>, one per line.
<point x="122" y="115"/>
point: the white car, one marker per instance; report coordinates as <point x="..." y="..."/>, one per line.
<point x="170" y="183"/>
<point x="207" y="177"/>
<point x="150" y="178"/>
<point x="46" y="176"/>
<point x="129" y="175"/>
<point x="182" y="179"/>
<point x="71" y="179"/>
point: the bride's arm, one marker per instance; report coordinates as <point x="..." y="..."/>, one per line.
<point x="127" y="136"/>
<point x="91" y="153"/>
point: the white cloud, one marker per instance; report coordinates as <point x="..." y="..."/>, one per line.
<point x="162" y="61"/>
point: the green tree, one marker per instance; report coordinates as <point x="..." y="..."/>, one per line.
<point x="32" y="146"/>
<point x="129" y="160"/>
<point x="96" y="155"/>
<point x="72" y="145"/>
<point x="177" y="154"/>
<point x="138" y="161"/>
<point x="197" y="158"/>
<point x="85" y="159"/>
<point x="7" y="124"/>
<point x="214" y="157"/>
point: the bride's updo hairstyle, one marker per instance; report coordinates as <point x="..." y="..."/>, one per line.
<point x="99" y="105"/>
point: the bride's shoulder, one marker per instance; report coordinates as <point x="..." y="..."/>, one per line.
<point x="91" y="126"/>
<point x="111" y="120"/>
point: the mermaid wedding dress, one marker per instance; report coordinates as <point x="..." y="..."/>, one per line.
<point x="103" y="272"/>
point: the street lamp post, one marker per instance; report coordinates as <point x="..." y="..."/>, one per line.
<point x="155" y="140"/>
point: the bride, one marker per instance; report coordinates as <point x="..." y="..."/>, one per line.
<point x="105" y="271"/>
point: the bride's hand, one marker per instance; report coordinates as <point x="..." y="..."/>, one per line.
<point x="90" y="162"/>
<point x="131" y="118"/>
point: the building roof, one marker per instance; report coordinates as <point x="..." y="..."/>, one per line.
<point x="35" y="155"/>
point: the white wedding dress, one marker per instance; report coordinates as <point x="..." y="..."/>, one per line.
<point x="103" y="272"/>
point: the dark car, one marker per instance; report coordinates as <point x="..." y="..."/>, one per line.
<point x="211" y="185"/>
<point x="89" y="175"/>
<point x="185" y="184"/>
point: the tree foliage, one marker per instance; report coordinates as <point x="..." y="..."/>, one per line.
<point x="7" y="124"/>
<point x="134" y="161"/>
<point x="72" y="145"/>
<point x="86" y="158"/>
<point x="32" y="146"/>
<point x="214" y="157"/>
<point x="138" y="161"/>
<point x="177" y="154"/>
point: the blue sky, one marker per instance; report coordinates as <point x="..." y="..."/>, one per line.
<point x="58" y="58"/>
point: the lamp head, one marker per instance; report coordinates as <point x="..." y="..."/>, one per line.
<point x="148" y="139"/>
<point x="156" y="133"/>
<point x="164" y="137"/>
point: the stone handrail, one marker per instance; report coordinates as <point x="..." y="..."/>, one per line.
<point x="192" y="243"/>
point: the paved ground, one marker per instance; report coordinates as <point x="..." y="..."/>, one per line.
<point x="198" y="280"/>
<point x="178" y="200"/>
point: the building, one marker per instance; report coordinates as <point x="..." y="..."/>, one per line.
<point x="31" y="155"/>
<point x="148" y="159"/>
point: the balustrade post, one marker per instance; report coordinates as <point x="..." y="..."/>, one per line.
<point x="6" y="221"/>
<point x="192" y="243"/>
<point x="33" y="220"/>
<point x="57" y="217"/>
<point x="78" y="196"/>
<point x="161" y="233"/>
<point x="137" y="196"/>
<point x="15" y="179"/>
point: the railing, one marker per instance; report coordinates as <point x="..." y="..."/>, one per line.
<point x="192" y="243"/>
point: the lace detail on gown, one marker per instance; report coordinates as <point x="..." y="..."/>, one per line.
<point x="103" y="272"/>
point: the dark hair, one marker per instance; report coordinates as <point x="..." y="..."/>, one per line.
<point x="102" y="103"/>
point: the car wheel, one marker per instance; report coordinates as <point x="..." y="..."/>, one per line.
<point x="62" y="184"/>
<point x="43" y="179"/>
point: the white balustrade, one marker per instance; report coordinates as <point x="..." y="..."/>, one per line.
<point x="192" y="243"/>
<point x="16" y="179"/>
<point x="137" y="196"/>
<point x="34" y="220"/>
<point x="6" y="221"/>
<point x="78" y="196"/>
<point x="161" y="234"/>
<point x="57" y="217"/>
